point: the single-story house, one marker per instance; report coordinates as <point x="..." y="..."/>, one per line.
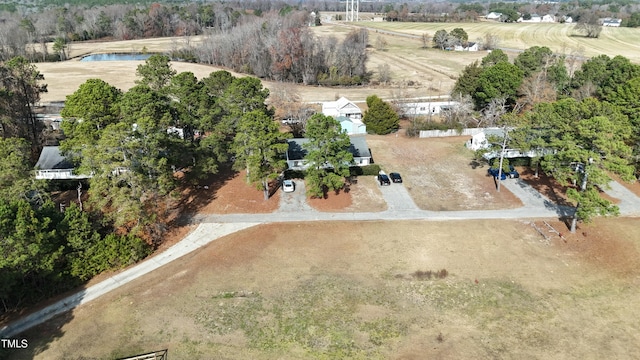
<point x="494" y="16"/>
<point x="52" y="165"/>
<point x="471" y="46"/>
<point x="352" y="126"/>
<point x="297" y="152"/>
<point x="341" y="107"/>
<point x="480" y="141"/>
<point x="548" y="19"/>
<point x="566" y="19"/>
<point x="426" y="108"/>
<point x="611" y="22"/>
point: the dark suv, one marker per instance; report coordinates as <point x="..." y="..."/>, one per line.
<point x="383" y="179"/>
<point x="395" y="177"/>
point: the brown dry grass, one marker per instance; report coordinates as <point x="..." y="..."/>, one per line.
<point x="440" y="173"/>
<point x="506" y="297"/>
<point x="362" y="196"/>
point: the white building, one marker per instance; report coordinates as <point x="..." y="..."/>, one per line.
<point x="472" y="46"/>
<point x="342" y="107"/>
<point x="426" y="108"/>
<point x="611" y="22"/>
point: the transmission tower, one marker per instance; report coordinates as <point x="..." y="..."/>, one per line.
<point x="353" y="9"/>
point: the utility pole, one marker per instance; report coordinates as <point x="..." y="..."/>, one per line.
<point x="504" y="147"/>
<point x="353" y="10"/>
<point x="582" y="168"/>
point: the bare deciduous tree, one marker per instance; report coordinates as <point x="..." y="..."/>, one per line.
<point x="384" y="73"/>
<point x="492" y="113"/>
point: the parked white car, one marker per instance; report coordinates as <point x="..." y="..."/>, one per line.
<point x="288" y="186"/>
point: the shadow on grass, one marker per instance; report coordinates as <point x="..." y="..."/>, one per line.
<point x="546" y="186"/>
<point x="32" y="332"/>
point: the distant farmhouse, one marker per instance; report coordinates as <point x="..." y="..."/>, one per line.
<point x="471" y="46"/>
<point x="296" y="153"/>
<point x="611" y="22"/>
<point x="495" y="16"/>
<point x="535" y="18"/>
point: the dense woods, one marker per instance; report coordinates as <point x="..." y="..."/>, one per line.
<point x="141" y="147"/>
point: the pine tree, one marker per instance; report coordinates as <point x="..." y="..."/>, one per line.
<point x="380" y="118"/>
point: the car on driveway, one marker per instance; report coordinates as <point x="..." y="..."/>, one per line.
<point x="512" y="173"/>
<point x="288" y="186"/>
<point x="395" y="177"/>
<point x="494" y="172"/>
<point x="383" y="179"/>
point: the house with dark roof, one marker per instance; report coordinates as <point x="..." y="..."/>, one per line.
<point x="297" y="151"/>
<point x="52" y="165"/>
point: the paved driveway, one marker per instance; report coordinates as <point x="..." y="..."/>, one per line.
<point x="397" y="197"/>
<point x="296" y="201"/>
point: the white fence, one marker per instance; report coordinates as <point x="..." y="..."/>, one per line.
<point x="446" y="133"/>
<point x="59" y="174"/>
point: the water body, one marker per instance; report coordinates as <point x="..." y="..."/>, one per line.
<point x="116" y="57"/>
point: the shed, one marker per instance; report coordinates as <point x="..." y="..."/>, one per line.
<point x="352" y="126"/>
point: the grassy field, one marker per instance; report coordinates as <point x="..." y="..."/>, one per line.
<point x="561" y="38"/>
<point x="363" y="291"/>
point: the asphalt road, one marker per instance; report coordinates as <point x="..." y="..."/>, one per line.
<point x="293" y="208"/>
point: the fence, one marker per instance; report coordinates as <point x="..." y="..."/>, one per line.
<point x="451" y="132"/>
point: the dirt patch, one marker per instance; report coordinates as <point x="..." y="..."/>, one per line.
<point x="362" y="196"/>
<point x="333" y="201"/>
<point x="545" y="185"/>
<point x="608" y="244"/>
<point x="440" y="173"/>
<point x="227" y="192"/>
<point x="552" y="189"/>
<point x="289" y="291"/>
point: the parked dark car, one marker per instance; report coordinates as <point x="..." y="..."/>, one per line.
<point x="383" y="179"/>
<point x="494" y="172"/>
<point x="395" y="177"/>
<point x="512" y="173"/>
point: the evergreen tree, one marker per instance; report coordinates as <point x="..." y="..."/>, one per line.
<point x="259" y="147"/>
<point x="328" y="155"/>
<point x="380" y="118"/>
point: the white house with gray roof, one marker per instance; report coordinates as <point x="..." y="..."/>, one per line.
<point x="52" y="165"/>
<point x="297" y="151"/>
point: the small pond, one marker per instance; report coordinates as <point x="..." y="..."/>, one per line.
<point x="116" y="57"/>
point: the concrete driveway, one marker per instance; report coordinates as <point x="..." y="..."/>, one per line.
<point x="296" y="201"/>
<point x="397" y="197"/>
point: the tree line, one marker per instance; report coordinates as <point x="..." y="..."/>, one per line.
<point x="134" y="144"/>
<point x="587" y="116"/>
<point x="288" y="51"/>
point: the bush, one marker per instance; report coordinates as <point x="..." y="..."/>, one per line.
<point x="372" y="169"/>
<point x="294" y="174"/>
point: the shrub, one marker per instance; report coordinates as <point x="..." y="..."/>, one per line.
<point x="372" y="169"/>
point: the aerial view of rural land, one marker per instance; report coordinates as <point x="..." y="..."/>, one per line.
<point x="313" y="179"/>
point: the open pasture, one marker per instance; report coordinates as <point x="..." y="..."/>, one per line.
<point x="561" y="38"/>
